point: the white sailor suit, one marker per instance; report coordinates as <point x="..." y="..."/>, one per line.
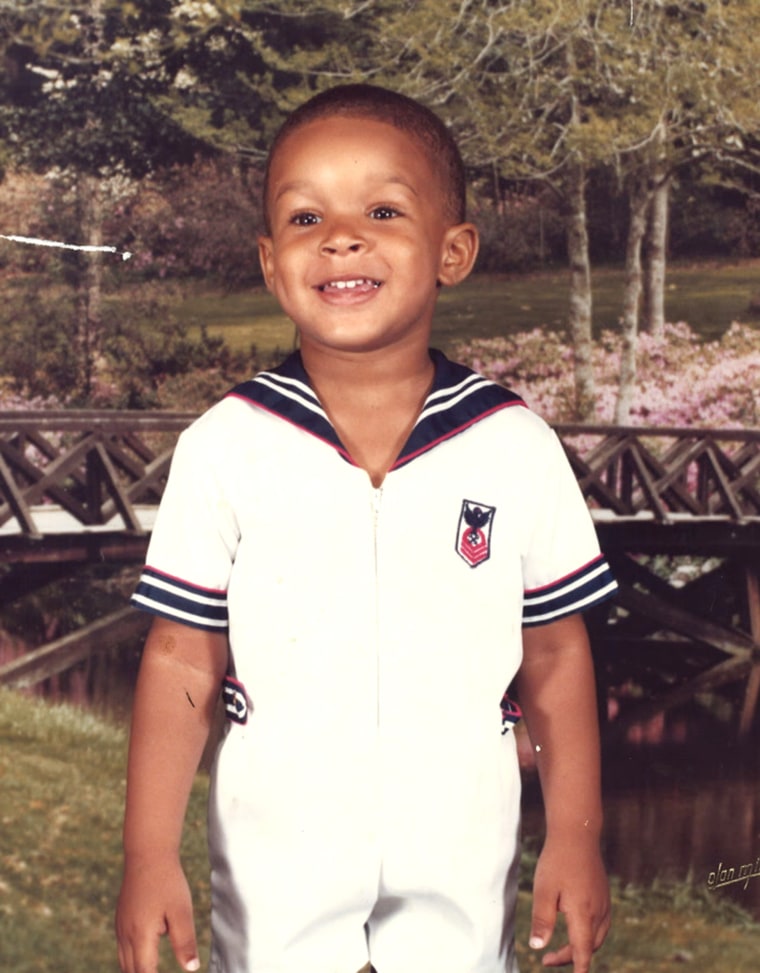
<point x="365" y="797"/>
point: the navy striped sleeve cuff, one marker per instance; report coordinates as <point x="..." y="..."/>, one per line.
<point x="591" y="584"/>
<point x="161" y="594"/>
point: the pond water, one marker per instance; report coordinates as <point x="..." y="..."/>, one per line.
<point x="687" y="812"/>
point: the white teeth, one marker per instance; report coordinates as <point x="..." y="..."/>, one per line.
<point x="342" y="285"/>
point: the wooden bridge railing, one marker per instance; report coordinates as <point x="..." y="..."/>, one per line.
<point x="100" y="467"/>
<point x="667" y="473"/>
<point x="92" y="465"/>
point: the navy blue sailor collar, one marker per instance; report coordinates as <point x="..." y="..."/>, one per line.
<point x="458" y="398"/>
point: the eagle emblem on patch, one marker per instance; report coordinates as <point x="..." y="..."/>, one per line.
<point x="474" y="532"/>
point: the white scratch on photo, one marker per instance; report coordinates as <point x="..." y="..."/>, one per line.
<point x="84" y="248"/>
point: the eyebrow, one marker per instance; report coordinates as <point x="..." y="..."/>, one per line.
<point x="290" y="187"/>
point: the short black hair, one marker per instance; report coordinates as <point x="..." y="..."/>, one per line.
<point x="383" y="105"/>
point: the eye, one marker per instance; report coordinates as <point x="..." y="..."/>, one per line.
<point x="384" y="213"/>
<point x="304" y="219"/>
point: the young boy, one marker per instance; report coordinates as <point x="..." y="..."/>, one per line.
<point x="366" y="545"/>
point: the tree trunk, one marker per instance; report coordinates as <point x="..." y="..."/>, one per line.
<point x="90" y="217"/>
<point x="656" y="260"/>
<point x="581" y="303"/>
<point x="638" y="204"/>
<point x="90" y="284"/>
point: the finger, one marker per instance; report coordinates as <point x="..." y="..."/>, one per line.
<point x="565" y="955"/>
<point x="605" y="922"/>
<point x="581" y="932"/>
<point x="184" y="943"/>
<point x="124" y="961"/>
<point x="145" y="960"/>
<point x="542" y="922"/>
<point x="603" y="927"/>
<point x="127" y="960"/>
<point x="138" y="946"/>
<point x="560" y="957"/>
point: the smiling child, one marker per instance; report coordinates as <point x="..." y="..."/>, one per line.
<point x="363" y="548"/>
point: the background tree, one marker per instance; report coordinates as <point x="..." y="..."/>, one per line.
<point x="687" y="74"/>
<point x="78" y="101"/>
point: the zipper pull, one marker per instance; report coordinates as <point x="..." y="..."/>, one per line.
<point x="377" y="496"/>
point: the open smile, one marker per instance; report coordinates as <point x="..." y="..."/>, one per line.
<point x="356" y="284"/>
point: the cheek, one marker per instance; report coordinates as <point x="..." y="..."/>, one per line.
<point x="279" y="266"/>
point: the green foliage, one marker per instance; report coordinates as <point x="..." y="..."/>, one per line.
<point x="37" y="345"/>
<point x="521" y="232"/>
<point x="198" y="220"/>
<point x="142" y="346"/>
<point x="144" y="357"/>
<point x="132" y="85"/>
<point x="81" y="85"/>
<point x="526" y="85"/>
<point x="708" y="220"/>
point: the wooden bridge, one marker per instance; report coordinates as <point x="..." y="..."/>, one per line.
<point x="677" y="511"/>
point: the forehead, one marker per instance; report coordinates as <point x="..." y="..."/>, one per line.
<point x="338" y="145"/>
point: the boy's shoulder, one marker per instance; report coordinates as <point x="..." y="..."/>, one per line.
<point x="285" y="380"/>
<point x="273" y="388"/>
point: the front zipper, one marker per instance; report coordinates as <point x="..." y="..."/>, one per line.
<point x="377" y="497"/>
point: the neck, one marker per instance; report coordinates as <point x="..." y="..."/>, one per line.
<point x="373" y="401"/>
<point x="367" y="376"/>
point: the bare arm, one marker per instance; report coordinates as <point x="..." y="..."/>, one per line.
<point x="557" y="695"/>
<point x="177" y="689"/>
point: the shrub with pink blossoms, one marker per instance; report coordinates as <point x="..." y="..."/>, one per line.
<point x="681" y="379"/>
<point x="11" y="401"/>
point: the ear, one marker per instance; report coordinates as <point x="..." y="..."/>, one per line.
<point x="458" y="253"/>
<point x="266" y="259"/>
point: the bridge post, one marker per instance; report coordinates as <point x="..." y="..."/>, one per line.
<point x="752" y="694"/>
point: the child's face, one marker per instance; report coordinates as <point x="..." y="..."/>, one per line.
<point x="359" y="235"/>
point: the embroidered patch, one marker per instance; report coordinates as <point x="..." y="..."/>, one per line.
<point x="235" y="700"/>
<point x="474" y="532"/>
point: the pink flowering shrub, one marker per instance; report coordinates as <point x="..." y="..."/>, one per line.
<point x="11" y="401"/>
<point x="681" y="379"/>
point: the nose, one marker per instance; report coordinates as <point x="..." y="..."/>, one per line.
<point x="342" y="236"/>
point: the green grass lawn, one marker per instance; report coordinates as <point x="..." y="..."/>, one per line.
<point x="62" y="787"/>
<point x="709" y="297"/>
<point x="61" y="796"/>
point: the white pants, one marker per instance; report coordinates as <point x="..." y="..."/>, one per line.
<point x="325" y="870"/>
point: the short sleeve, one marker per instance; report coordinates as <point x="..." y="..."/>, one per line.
<point x="564" y="570"/>
<point x="195" y="536"/>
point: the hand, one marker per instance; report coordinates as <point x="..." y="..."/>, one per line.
<point x="155" y="901"/>
<point x="570" y="878"/>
